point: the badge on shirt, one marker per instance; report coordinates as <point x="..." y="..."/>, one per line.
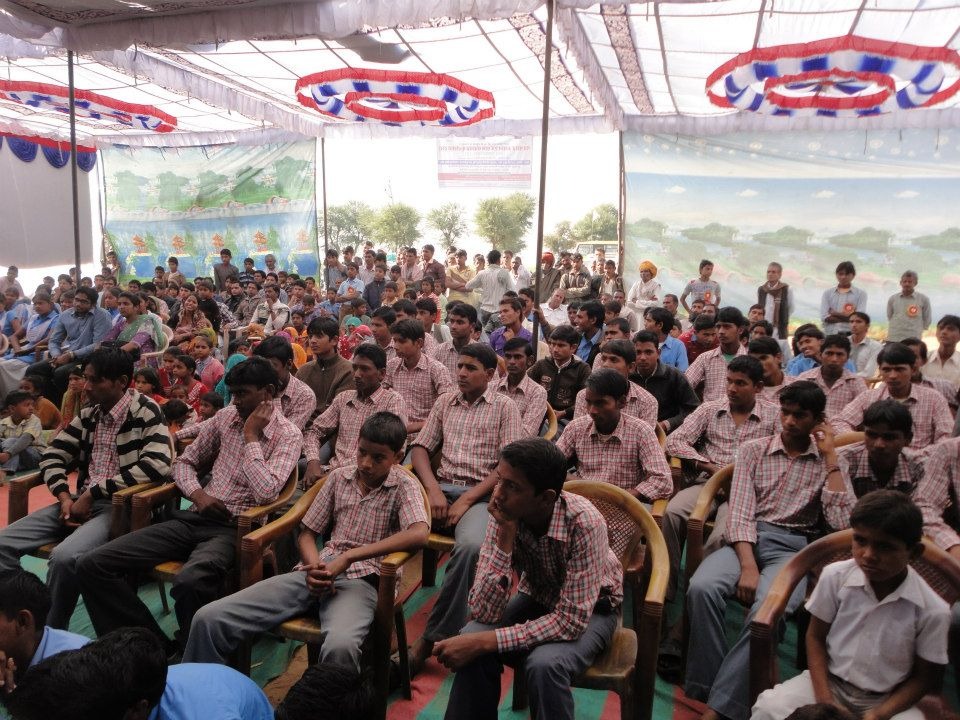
<point x="912" y="311"/>
<point x="707" y="296"/>
<point x="849" y="308"/>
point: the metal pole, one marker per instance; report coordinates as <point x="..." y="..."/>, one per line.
<point x="323" y="181"/>
<point x="73" y="168"/>
<point x="622" y="215"/>
<point x="544" y="130"/>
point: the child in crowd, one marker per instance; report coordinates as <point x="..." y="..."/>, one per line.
<point x="428" y="291"/>
<point x="330" y="307"/>
<point x="355" y="334"/>
<point x="74" y="398"/>
<point x="209" y="369"/>
<point x="184" y="371"/>
<point x="178" y="415"/>
<point x="21" y="435"/>
<point x="357" y="309"/>
<point x="165" y="373"/>
<point x="563" y="374"/>
<point x="147" y="382"/>
<point x="877" y="641"/>
<point x="50" y="417"/>
<point x="298" y="330"/>
<point x="703" y="288"/>
<point x="419" y="379"/>
<point x="210" y="404"/>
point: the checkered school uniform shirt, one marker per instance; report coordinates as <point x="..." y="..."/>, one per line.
<point x="104" y="461"/>
<point x="360" y="519"/>
<point x="710" y="368"/>
<point x="346" y="414"/>
<point x="941" y="472"/>
<point x="421" y="386"/>
<point x="298" y="402"/>
<point x="772" y="394"/>
<point x="932" y="421"/>
<point x="770" y="486"/>
<point x="630" y="457"/>
<point x="843" y="392"/>
<point x="568" y="571"/>
<point x="531" y="400"/>
<point x="472" y="435"/>
<point x="244" y="474"/>
<point x="709" y="433"/>
<point x="447" y="355"/>
<point x="640" y="404"/>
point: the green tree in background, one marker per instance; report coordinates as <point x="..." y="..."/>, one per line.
<point x="450" y="221"/>
<point x="294" y="178"/>
<point x="351" y="223"/>
<point x="869" y="238"/>
<point x="396" y="225"/>
<point x="647" y="229"/>
<point x="170" y="192"/>
<point x="505" y="220"/>
<point x="212" y="191"/>
<point x="598" y="225"/>
<point x="787" y="236"/>
<point x="561" y="239"/>
<point x="714" y="232"/>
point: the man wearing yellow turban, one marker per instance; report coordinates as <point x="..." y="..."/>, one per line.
<point x="646" y="292"/>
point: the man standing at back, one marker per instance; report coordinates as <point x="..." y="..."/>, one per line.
<point x="494" y="282"/>
<point x="776" y="298"/>
<point x="225" y="269"/>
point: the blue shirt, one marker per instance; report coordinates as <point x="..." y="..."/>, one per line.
<point x="497" y="339"/>
<point x="801" y="363"/>
<point x="206" y="691"/>
<point x="583" y="350"/>
<point x="57" y="641"/>
<point x="356" y="283"/>
<point x="79" y="333"/>
<point x="20" y="311"/>
<point x="331" y="307"/>
<point x="673" y="352"/>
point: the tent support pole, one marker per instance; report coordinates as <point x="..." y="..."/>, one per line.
<point x="544" y="132"/>
<point x="622" y="214"/>
<point x="73" y="167"/>
<point x="323" y="183"/>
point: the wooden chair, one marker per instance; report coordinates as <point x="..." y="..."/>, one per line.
<point x="165" y="497"/>
<point x="164" y="344"/>
<point x="388" y="615"/>
<point x="627" y="667"/>
<point x="938" y="568"/>
<point x="552" y="424"/>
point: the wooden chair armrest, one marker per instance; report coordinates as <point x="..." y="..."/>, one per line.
<point x="142" y="504"/>
<point x="120" y="507"/>
<point x="698" y="517"/>
<point x="248" y="517"/>
<point x="675" y="463"/>
<point x="19" y="499"/>
<point x="440" y="543"/>
<point x="658" y="508"/>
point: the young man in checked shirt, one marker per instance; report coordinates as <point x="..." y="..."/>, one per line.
<point x="367" y="510"/>
<point x="620" y="355"/>
<point x="418" y="378"/>
<point x="469" y="428"/>
<point x="775" y="507"/>
<point x="253" y="449"/>
<point x="568" y="601"/>
<point x="709" y="370"/>
<point x="530" y="397"/>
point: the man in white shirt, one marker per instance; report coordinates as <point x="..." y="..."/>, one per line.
<point x="521" y="276"/>
<point x="493" y="282"/>
<point x="863" y="350"/>
<point x="945" y="363"/>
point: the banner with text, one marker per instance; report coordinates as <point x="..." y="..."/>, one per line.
<point x="190" y="203"/>
<point x="463" y="162"/>
<point x="882" y="199"/>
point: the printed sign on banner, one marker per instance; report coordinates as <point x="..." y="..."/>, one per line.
<point x="463" y="162"/>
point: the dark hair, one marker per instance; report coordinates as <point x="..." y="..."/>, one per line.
<point x="386" y="313"/>
<point x="818" y="711"/>
<point x="530" y="294"/>
<point x="612" y="306"/>
<point x="150" y="375"/>
<point x="896" y="354"/>
<point x="593" y="310"/>
<point x="540" y="461"/>
<point x="427" y="305"/>
<point x="846" y="267"/>
<point x="949" y="321"/>
<point x="372" y="352"/>
<point x="891" y="413"/>
<point x="255" y="371"/>
<point x="565" y="334"/>
<point x="749" y="366"/>
<point x="621" y="348"/>
<point x="22" y="590"/>
<point x="806" y="394"/>
<point x="214" y="399"/>
<point x="574" y="305"/>
<point x="764" y="346"/>
<point x="518" y="343"/>
<point x="463" y="310"/>
<point x="408" y="329"/>
<point x="385" y="428"/>
<point x="15" y="397"/>
<point x="647" y="336"/>
<point x="275" y="347"/>
<point x="862" y="315"/>
<point x="493" y="257"/>
<point x="705" y="262"/>
<point x="483" y="353"/>
<point x="662" y="317"/>
<point x="329" y="690"/>
<point x="324" y="326"/>
<point x="704" y="322"/>
<point x="808" y="330"/>
<point x="39" y="382"/>
<point x="175" y="410"/>
<point x="188" y="362"/>
<point x="428" y="279"/>
<point x="608" y="382"/>
<point x="621" y="324"/>
<point x="836" y="341"/>
<point x="765" y="324"/>
<point x="892" y="513"/>
<point x="514" y="302"/>
<point x="731" y="315"/>
<point x="89" y="292"/>
<point x="406" y="307"/>
<point x="111" y="363"/>
<point x="919" y="344"/>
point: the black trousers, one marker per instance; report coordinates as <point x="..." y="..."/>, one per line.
<point x="57" y="378"/>
<point x="206" y="547"/>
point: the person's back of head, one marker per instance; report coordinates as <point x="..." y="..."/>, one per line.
<point x="818" y="711"/>
<point x="21" y="590"/>
<point x="328" y="691"/>
<point x="704" y="322"/>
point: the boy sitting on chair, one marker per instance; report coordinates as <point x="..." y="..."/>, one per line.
<point x="368" y="510"/>
<point x="877" y="641"/>
<point x="568" y="601"/>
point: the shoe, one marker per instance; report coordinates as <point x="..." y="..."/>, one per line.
<point x="670" y="662"/>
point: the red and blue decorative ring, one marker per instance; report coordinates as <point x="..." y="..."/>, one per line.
<point x="88" y="104"/>
<point x="395" y="97"/>
<point x="848" y="76"/>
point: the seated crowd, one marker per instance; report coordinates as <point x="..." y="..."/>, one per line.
<point x="414" y="398"/>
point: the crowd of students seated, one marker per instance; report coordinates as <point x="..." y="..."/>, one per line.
<point x="226" y="385"/>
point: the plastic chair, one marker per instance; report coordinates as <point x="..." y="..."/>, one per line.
<point x="627" y="667"/>
<point x="938" y="568"/>
<point x="164" y="344"/>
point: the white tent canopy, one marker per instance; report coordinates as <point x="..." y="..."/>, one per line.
<point x="227" y="69"/>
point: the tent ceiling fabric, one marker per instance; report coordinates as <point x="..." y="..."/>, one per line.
<point x="226" y="69"/>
